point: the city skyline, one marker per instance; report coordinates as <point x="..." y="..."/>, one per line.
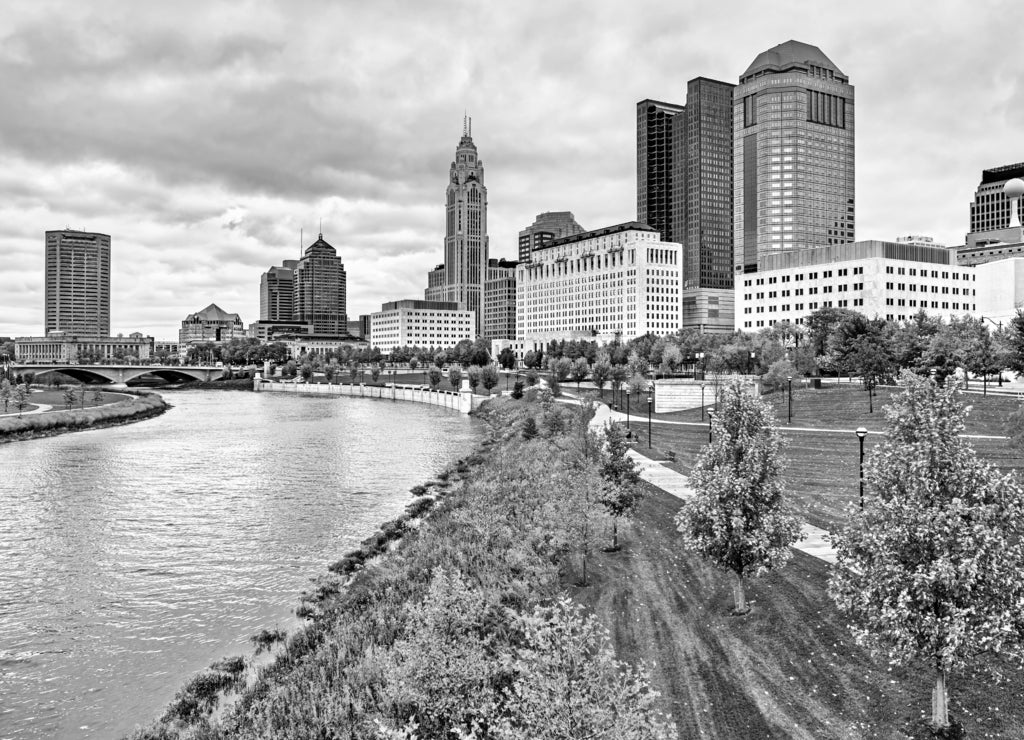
<point x="204" y="152"/>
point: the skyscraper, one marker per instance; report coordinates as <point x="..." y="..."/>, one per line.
<point x="465" y="242"/>
<point x="684" y="190"/>
<point x="319" y="294"/>
<point x="547" y="226"/>
<point x="659" y="183"/>
<point x="277" y="292"/>
<point x="793" y="154"/>
<point x="77" y="291"/>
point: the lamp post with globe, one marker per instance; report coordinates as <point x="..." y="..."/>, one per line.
<point x="1013" y="190"/>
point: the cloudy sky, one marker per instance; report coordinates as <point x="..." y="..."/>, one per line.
<point x="203" y="136"/>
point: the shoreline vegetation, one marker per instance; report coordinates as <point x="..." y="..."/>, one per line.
<point x="51" y="423"/>
<point x="453" y="620"/>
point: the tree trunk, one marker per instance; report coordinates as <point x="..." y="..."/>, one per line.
<point x="615" y="535"/>
<point x="583" y="581"/>
<point x="739" y="594"/>
<point x="940" y="702"/>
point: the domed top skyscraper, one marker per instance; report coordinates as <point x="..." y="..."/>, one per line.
<point x="793" y="164"/>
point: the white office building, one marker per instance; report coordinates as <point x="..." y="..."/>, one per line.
<point x="884" y="279"/>
<point x="618" y="282"/>
<point x="412" y="323"/>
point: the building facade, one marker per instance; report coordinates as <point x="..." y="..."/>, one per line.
<point x="793" y="161"/>
<point x="61" y="347"/>
<point x="319" y="295"/>
<point x="435" y="284"/>
<point x="277" y="292"/>
<point x="500" y="299"/>
<point x="77" y="293"/>
<point x="990" y="211"/>
<point x="618" y="282"/>
<point x="878" y="279"/>
<point x="269" y="331"/>
<point x="212" y="324"/>
<point x="465" y="242"/>
<point x="411" y="323"/>
<point x="547" y="226"/>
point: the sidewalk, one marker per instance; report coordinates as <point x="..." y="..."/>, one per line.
<point x="815" y="541"/>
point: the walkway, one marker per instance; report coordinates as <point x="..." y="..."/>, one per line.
<point x="815" y="541"/>
<point x="39" y="409"/>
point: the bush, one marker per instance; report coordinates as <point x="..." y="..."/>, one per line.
<point x="418" y="508"/>
<point x="266" y="639"/>
<point x="776" y="379"/>
<point x="517" y="390"/>
<point x="554" y="386"/>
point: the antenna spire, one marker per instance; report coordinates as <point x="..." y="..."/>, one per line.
<point x="321" y="228"/>
<point x="471" y="127"/>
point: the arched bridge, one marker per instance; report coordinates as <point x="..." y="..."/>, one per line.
<point x="121" y="374"/>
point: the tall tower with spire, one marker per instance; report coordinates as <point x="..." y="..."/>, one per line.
<point x="465" y="240"/>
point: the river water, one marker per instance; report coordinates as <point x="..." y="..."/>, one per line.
<point x="133" y="556"/>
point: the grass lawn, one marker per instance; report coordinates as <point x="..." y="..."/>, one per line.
<point x="55" y="398"/>
<point x="789" y="669"/>
<point x="822" y="473"/>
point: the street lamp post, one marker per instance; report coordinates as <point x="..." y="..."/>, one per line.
<point x="627" y="408"/>
<point x="750" y="365"/>
<point x="711" y="418"/>
<point x="700" y="358"/>
<point x="702" y="402"/>
<point x="650" y="403"/>
<point x="789" y="420"/>
<point x="999" y="327"/>
<point x="861" y="434"/>
<point x="871" y="397"/>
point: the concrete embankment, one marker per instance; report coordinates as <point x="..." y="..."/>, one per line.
<point x="136" y="408"/>
<point x="463" y="401"/>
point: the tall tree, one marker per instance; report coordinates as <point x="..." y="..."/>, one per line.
<point x="735" y="518"/>
<point x="474" y="375"/>
<point x="560" y="368"/>
<point x="435" y="376"/>
<point x="489" y="377"/>
<point x="455" y="377"/>
<point x="507" y="358"/>
<point x="20" y="397"/>
<point x="929" y="571"/>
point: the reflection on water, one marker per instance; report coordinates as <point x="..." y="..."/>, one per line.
<point x="131" y="557"/>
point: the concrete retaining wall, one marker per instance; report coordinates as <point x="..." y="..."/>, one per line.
<point x="463" y="402"/>
<point x="677" y="394"/>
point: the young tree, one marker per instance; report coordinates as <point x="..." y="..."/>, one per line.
<point x="489" y="376"/>
<point x="97" y="397"/>
<point x="619" y="375"/>
<point x="375" y="372"/>
<point x="20" y="397"/>
<point x="561" y="368"/>
<point x="80" y="394"/>
<point x="532" y="376"/>
<point x="930" y="570"/>
<point x="517" y="390"/>
<point x="474" y="376"/>
<point x="600" y="373"/>
<point x="5" y="393"/>
<point x="621" y="493"/>
<point x="455" y="377"/>
<point x="69" y="397"/>
<point x="434" y="375"/>
<point x="736" y="518"/>
<point x="413" y="363"/>
<point x="307" y="371"/>
<point x="330" y="371"/>
<point x="579" y="371"/>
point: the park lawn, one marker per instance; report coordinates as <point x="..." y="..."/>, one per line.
<point x="789" y="669"/>
<point x="55" y="398"/>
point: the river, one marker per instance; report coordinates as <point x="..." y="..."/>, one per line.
<point x="133" y="556"/>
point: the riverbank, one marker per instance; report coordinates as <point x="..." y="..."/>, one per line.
<point x="135" y="408"/>
<point x="452" y="621"/>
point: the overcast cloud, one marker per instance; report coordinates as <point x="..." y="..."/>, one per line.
<point x="203" y="136"/>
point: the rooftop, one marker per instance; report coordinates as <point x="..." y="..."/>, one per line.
<point x="606" y="231"/>
<point x="791" y="55"/>
<point x="1000" y="174"/>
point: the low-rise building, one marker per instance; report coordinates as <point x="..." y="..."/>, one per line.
<point x="876" y="278"/>
<point x="318" y="344"/>
<point x="619" y="282"/>
<point x="269" y="331"/>
<point x="212" y="324"/>
<point x="412" y="323"/>
<point x="60" y="347"/>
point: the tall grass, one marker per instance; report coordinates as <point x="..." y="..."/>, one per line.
<point x="17" y="427"/>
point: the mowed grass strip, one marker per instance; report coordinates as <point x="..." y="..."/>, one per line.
<point x="822" y="471"/>
<point x="789" y="669"/>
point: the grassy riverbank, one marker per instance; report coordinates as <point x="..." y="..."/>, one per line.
<point x="133" y="408"/>
<point x="453" y="621"/>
